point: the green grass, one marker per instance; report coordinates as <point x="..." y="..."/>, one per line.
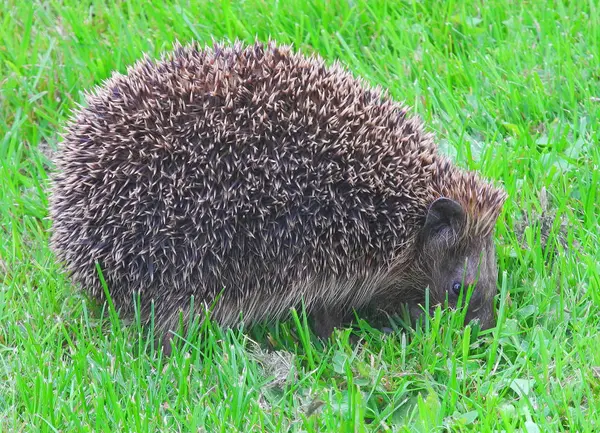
<point x="511" y="89"/>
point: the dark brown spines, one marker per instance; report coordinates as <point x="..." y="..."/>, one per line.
<point x="481" y="200"/>
<point x="250" y="170"/>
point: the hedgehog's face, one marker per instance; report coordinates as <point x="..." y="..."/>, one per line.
<point x="458" y="267"/>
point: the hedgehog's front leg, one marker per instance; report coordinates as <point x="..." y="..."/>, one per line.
<point x="170" y="324"/>
<point x="325" y="319"/>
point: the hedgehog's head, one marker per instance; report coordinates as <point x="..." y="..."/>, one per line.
<point x="459" y="260"/>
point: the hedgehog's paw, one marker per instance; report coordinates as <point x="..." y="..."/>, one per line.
<point x="166" y="342"/>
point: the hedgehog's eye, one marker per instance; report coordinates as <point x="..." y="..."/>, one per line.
<point x="457" y="287"/>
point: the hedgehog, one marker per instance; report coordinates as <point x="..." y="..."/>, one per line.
<point x="252" y="179"/>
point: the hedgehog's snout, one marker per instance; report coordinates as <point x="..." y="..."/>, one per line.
<point x="479" y="288"/>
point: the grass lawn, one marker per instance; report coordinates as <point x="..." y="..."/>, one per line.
<point x="510" y="88"/>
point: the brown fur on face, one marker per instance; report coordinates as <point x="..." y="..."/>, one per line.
<point x="455" y="262"/>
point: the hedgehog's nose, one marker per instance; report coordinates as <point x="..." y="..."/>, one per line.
<point x="484" y="317"/>
<point x="486" y="323"/>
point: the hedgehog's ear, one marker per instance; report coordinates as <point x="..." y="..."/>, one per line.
<point x="444" y="213"/>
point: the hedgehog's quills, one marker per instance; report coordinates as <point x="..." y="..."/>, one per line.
<point x="272" y="180"/>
